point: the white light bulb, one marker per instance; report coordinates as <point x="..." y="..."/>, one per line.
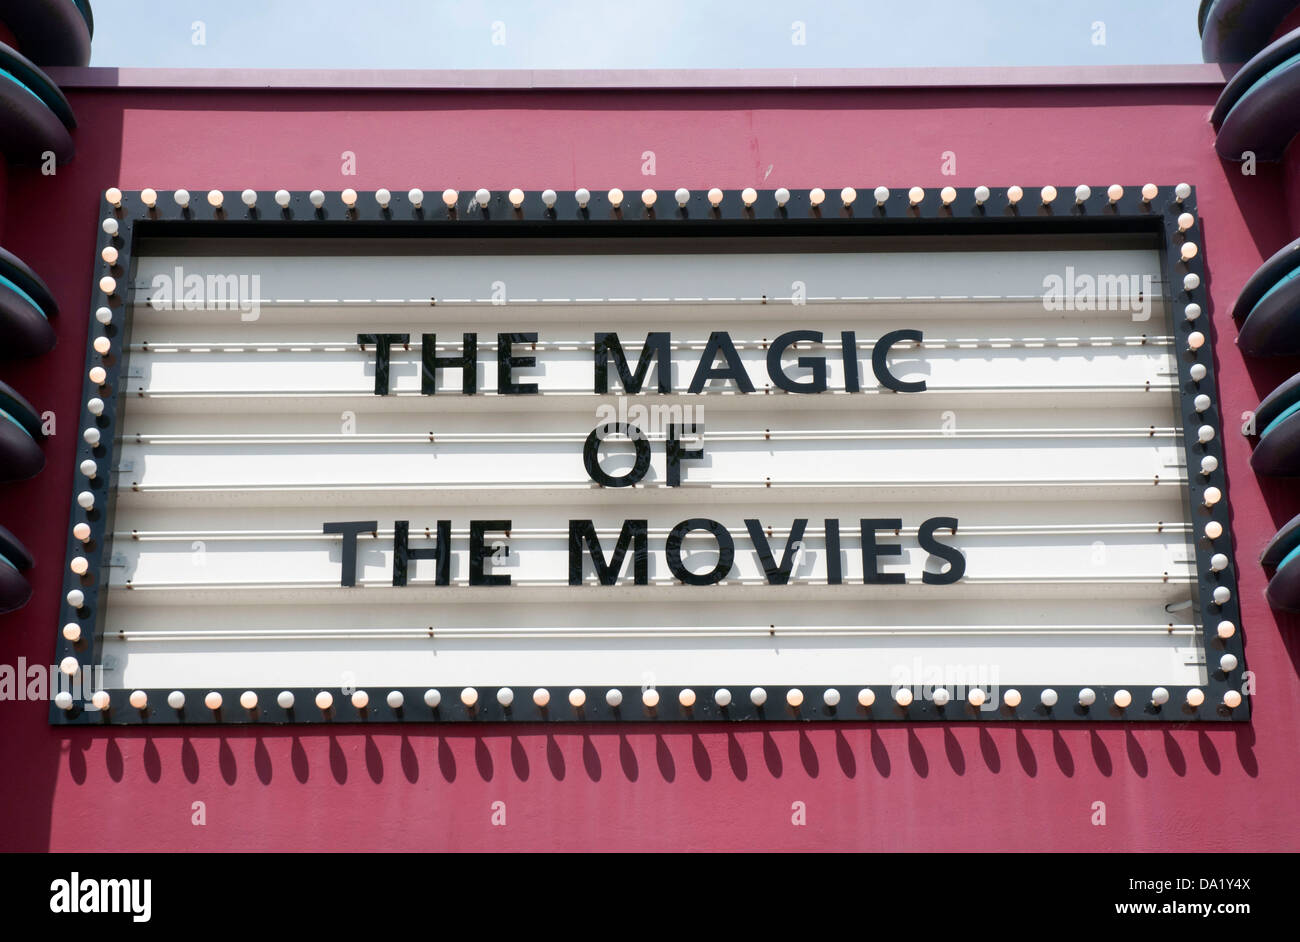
<point x="248" y="700"/>
<point x="149" y="198"/>
<point x="1087" y="696"/>
<point x="1214" y="530"/>
<point x="940" y="696"/>
<point x="848" y="195"/>
<point x="715" y="197"/>
<point x="1188" y="251"/>
<point x="915" y="195"/>
<point x="360" y="699"/>
<point x="831" y="697"/>
<point x="449" y="198"/>
<point x="317" y="198"/>
<point x="482" y="197"/>
<point x="650" y="698"/>
<point x="548" y="198"/>
<point x="816" y="196"/>
<point x="1186" y="221"/>
<point x="108" y="284"/>
<point x="395" y="699"/>
<point x="249" y="197"/>
<point x="102" y="345"/>
<point x="1160" y="696"/>
<point x="686" y="698"/>
<point x="1011" y="698"/>
<point x="1182" y="191"/>
<point x="981" y="195"/>
<point x="69" y="665"/>
<point x="505" y="697"/>
<point x="541" y="697"/>
<point x="748" y="196"/>
<point x="903" y="696"/>
<point x="758" y="696"/>
<point x="948" y="195"/>
<point x="1195" y="697"/>
<point x="1205" y="434"/>
<point x="349" y="198"/>
<point x="1123" y="698"/>
<point x="212" y="701"/>
<point x="782" y="196"/>
<point x="76" y="598"/>
<point x="182" y="198"/>
<point x="976" y="696"/>
<point x="1212" y="496"/>
<point x="1150" y="191"/>
<point x="1226" y="630"/>
<point x="881" y="195"/>
<point x="1222" y="595"/>
<point x="383" y="198"/>
<point x="432" y="698"/>
<point x="516" y="197"/>
<point x="469" y="697"/>
<point x="649" y="198"/>
<point x="1197" y="372"/>
<point x="63" y="700"/>
<point x="72" y="632"/>
<point x="1114" y="192"/>
<point x="794" y="698"/>
<point x="1191" y="281"/>
<point x="1192" y="311"/>
<point x="1201" y="402"/>
<point x="95" y="406"/>
<point x="282" y="198"/>
<point x="91" y="435"/>
<point x="82" y="532"/>
<point x="866" y="697"/>
<point x="1232" y="699"/>
<point x="79" y="565"/>
<point x="415" y="197"/>
<point x="86" y="500"/>
<point x="583" y="197"/>
<point x="615" y="197"/>
<point x="1014" y="195"/>
<point x="97" y="375"/>
<point x="1048" y="195"/>
<point x="1082" y="193"/>
<point x="100" y="699"/>
<point x="722" y="697"/>
<point x="1048" y="697"/>
<point x="176" y="700"/>
<point x="1209" y="464"/>
<point x="215" y="198"/>
<point x="683" y="196"/>
<point x="109" y="255"/>
<point x="324" y="700"/>
<point x="614" y="697"/>
<point x="577" y="697"/>
<point x="104" y="315"/>
<point x="1228" y="663"/>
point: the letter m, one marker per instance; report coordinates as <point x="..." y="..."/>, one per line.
<point x="223" y="291"/>
<point x="657" y="347"/>
<point x="634" y="533"/>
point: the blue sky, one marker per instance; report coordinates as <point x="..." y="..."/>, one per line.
<point x="622" y="34"/>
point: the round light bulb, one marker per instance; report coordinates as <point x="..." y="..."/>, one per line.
<point x="1191" y="281"/>
<point x="915" y="195"/>
<point x="548" y="198"/>
<point x="1232" y="699"/>
<point x="650" y="698"/>
<point x="1197" y="372"/>
<point x="149" y="198"/>
<point x="63" y="700"/>
<point x="1226" y="630"/>
<point x="794" y="698"/>
<point x="1192" y="312"/>
<point x="76" y="598"/>
<point x="109" y="255"/>
<point x="940" y="696"/>
<point x="72" y="632"/>
<point x="176" y="700"/>
<point x="383" y="198"/>
<point x="722" y="697"/>
<point x="95" y="405"/>
<point x="1218" y="562"/>
<point x="101" y="699"/>
<point x="69" y="665"/>
<point x="91" y="435"/>
<point x="86" y="500"/>
<point x="541" y="697"/>
<point x="1214" y="529"/>
<point x="395" y="699"/>
<point x="1014" y="195"/>
<point x="82" y="532"/>
<point x="1123" y="698"/>
<point x="1160" y="696"/>
<point x="324" y="700"/>
<point x="1114" y="192"/>
<point x="349" y="198"/>
<point x="285" y="699"/>
<point x="1048" y="195"/>
<point x="215" y="199"/>
<point x="1205" y="434"/>
<point x="583" y="197"/>
<point x="782" y="196"/>
<point x="432" y="698"/>
<point x="758" y="696"/>
<point x="577" y="697"/>
<point x="615" y="197"/>
<point x="866" y="697"/>
<point x="1222" y="595"/>
<point x="903" y="696"/>
<point x="948" y="195"/>
<point x="108" y="284"/>
<point x="648" y="198"/>
<point x="505" y="697"/>
<point x="614" y="697"/>
<point x="1186" y="221"/>
<point x="1228" y="663"/>
<point x="469" y="697"/>
<point x="1182" y="191"/>
<point x="250" y="200"/>
<point x="1011" y="698"/>
<point x="102" y="345"/>
<point x="360" y="699"/>
<point x="715" y="197"/>
<point x="848" y="195"/>
<point x="1188" y="251"/>
<point x="79" y="565"/>
<point x="1082" y="193"/>
<point x="683" y="196"/>
<point x="1087" y="696"/>
<point x="212" y="701"/>
<point x="182" y="198"/>
<point x="831" y="697"/>
<point x="881" y="195"/>
<point x="1201" y="402"/>
<point x="976" y="696"/>
<point x="248" y="700"/>
<point x="282" y="198"/>
<point x="104" y="315"/>
<point x="516" y="197"/>
<point x="1212" y="496"/>
<point x="686" y="698"/>
<point x="981" y="195"/>
<point x="1195" y="697"/>
<point x="1150" y="191"/>
<point x="816" y="196"/>
<point x="482" y="197"/>
<point x="1048" y="697"/>
<point x="317" y="198"/>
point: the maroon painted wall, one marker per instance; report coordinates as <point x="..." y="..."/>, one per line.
<point x="1029" y="787"/>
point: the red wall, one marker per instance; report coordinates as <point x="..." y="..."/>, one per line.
<point x="926" y="787"/>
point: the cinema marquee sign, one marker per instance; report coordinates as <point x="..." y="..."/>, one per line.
<point x="360" y="457"/>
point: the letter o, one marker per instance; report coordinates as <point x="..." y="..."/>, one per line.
<point x="726" y="551"/>
<point x="591" y="454"/>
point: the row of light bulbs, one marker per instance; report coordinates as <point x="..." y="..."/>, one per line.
<point x="749" y="195"/>
<point x="794" y="697"/>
